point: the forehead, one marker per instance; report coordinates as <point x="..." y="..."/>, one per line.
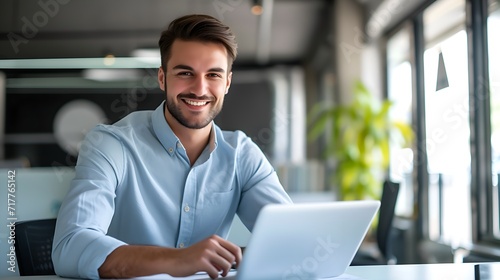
<point x="198" y="55"/>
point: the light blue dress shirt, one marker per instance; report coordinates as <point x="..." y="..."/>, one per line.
<point x="134" y="185"/>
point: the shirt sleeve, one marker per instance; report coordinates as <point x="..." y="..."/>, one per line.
<point x="80" y="243"/>
<point x="260" y="183"/>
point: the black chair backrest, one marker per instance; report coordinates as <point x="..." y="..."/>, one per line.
<point x="34" y="247"/>
<point x="386" y="216"/>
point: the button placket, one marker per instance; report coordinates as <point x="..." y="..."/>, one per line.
<point x="186" y="209"/>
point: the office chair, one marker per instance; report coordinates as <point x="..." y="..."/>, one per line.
<point x="384" y="229"/>
<point x="34" y="247"/>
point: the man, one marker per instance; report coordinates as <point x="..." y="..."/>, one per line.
<point x="157" y="191"/>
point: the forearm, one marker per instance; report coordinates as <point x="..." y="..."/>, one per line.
<point x="133" y="261"/>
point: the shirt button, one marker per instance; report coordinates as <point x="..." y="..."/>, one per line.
<point x="170" y="150"/>
<point x="186" y="208"/>
<point x="181" y="245"/>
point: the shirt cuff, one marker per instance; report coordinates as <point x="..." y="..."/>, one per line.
<point x="95" y="254"/>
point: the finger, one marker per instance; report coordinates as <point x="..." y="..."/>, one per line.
<point x="212" y="270"/>
<point x="226" y="254"/>
<point x="221" y="264"/>
<point x="234" y="250"/>
<point x="228" y="245"/>
<point x="225" y="248"/>
<point x="230" y="254"/>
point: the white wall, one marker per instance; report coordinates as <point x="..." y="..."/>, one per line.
<point x="357" y="56"/>
<point x="372" y="71"/>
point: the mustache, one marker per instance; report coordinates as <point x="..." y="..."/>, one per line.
<point x="196" y="97"/>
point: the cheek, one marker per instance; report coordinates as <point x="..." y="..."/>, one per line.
<point x="219" y="89"/>
<point x="220" y="98"/>
<point x="176" y="87"/>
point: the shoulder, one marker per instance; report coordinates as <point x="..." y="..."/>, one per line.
<point x="240" y="144"/>
<point x="134" y="123"/>
<point x="234" y="139"/>
<point x="112" y="137"/>
<point x="134" y="120"/>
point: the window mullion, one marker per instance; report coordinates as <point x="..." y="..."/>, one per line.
<point x="481" y="180"/>
<point x="422" y="176"/>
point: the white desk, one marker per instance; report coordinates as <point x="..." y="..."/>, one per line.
<point x="385" y="272"/>
<point x="414" y="272"/>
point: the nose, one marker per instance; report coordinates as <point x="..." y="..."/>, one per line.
<point x="199" y="86"/>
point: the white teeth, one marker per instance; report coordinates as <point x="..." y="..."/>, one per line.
<point x="194" y="103"/>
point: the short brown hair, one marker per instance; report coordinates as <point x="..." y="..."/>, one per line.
<point x="203" y="28"/>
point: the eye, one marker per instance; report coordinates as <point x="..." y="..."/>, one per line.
<point x="184" y="74"/>
<point x="214" y="75"/>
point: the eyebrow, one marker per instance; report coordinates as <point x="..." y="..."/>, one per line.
<point x="186" y="67"/>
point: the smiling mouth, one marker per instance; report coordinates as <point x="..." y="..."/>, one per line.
<point x="195" y="103"/>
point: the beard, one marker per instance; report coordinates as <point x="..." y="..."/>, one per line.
<point x="193" y="122"/>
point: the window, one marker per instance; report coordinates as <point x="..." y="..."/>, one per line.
<point x="447" y="122"/>
<point x="399" y="82"/>
<point x="456" y="116"/>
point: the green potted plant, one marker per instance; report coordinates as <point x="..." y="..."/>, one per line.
<point x="359" y="135"/>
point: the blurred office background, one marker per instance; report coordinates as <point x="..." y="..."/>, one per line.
<point x="67" y="65"/>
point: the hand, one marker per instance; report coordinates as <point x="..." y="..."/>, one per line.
<point x="213" y="255"/>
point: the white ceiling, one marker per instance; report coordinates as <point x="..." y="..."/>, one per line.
<point x="92" y="28"/>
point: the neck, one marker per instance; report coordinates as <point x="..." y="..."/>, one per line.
<point x="193" y="140"/>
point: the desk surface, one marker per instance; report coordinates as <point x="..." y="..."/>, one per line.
<point x="414" y="272"/>
<point x="383" y="272"/>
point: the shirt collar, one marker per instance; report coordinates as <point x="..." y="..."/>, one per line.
<point x="163" y="131"/>
<point x="213" y="138"/>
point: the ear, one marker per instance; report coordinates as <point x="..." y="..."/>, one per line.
<point x="228" y="84"/>
<point x="161" y="78"/>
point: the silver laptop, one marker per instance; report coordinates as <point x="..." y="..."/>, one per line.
<point x="306" y="240"/>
